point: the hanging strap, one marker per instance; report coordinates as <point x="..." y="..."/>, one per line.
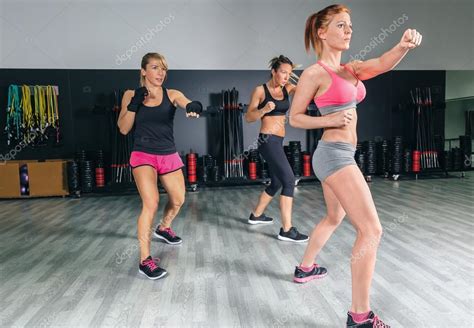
<point x="14" y="114"/>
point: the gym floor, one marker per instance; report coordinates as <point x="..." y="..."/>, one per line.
<point x="67" y="262"/>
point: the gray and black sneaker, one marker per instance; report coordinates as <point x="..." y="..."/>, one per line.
<point x="292" y="235"/>
<point x="316" y="272"/>
<point x="262" y="219"/>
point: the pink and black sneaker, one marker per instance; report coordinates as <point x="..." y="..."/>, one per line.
<point x="303" y="275"/>
<point x="149" y="267"/>
<point x="168" y="235"/>
<point x="371" y="322"/>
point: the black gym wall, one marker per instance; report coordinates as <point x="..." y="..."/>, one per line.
<point x="85" y="103"/>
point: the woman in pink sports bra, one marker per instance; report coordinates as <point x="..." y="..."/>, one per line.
<point x="338" y="89"/>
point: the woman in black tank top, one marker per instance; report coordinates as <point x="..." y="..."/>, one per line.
<point x="151" y="110"/>
<point x="270" y="102"/>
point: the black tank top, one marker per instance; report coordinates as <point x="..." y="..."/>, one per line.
<point x="154" y="128"/>
<point x="281" y="106"/>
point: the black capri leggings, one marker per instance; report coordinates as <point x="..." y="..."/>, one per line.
<point x="271" y="148"/>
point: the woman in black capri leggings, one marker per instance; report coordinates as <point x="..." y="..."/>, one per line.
<point x="270" y="102"/>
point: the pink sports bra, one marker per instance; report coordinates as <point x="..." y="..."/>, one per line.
<point x="341" y="94"/>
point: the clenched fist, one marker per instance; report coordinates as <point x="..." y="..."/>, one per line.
<point x="341" y="119"/>
<point x="411" y="39"/>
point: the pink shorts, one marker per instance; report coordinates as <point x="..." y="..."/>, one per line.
<point x="162" y="163"/>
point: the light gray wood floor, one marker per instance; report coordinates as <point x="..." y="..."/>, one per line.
<point x="74" y="262"/>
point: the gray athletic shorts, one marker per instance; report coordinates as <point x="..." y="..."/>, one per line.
<point x="332" y="156"/>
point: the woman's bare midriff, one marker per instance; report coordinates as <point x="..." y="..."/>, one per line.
<point x="346" y="134"/>
<point x="273" y="125"/>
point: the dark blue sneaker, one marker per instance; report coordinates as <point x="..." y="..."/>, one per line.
<point x="292" y="235"/>
<point x="262" y="219"/>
